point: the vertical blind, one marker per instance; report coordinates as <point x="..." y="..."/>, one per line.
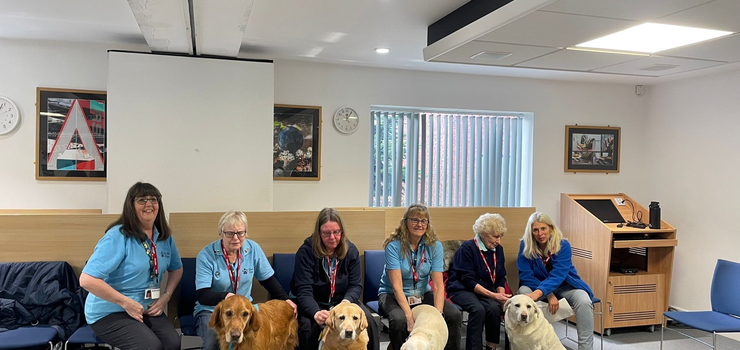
<point x="445" y="159"/>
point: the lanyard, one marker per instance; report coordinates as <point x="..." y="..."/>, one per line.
<point x="492" y="275"/>
<point x="332" y="273"/>
<point x="234" y="284"/>
<point x="413" y="270"/>
<point x="152" y="254"/>
<point x="544" y="261"/>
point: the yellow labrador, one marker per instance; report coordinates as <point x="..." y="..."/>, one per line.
<point x="527" y="327"/>
<point x="345" y="328"/>
<point x="430" y="330"/>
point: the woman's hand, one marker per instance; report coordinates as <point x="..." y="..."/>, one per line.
<point x="134" y="309"/>
<point x="500" y="297"/>
<point x="321" y="316"/>
<point x="158" y="306"/>
<point x="554" y="303"/>
<point x="292" y="304"/>
<point x="409" y="321"/>
<point x="229" y="295"/>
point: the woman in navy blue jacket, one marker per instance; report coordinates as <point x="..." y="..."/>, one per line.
<point x="546" y="272"/>
<point x="327" y="272"/>
<point x="478" y="279"/>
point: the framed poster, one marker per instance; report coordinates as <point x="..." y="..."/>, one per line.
<point x="296" y="149"/>
<point x="70" y="135"/>
<point x="592" y="149"/>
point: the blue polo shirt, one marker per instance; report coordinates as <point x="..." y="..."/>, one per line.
<point x="211" y="270"/>
<point x="123" y="264"/>
<point x="433" y="262"/>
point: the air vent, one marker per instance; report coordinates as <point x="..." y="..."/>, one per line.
<point x="638" y="251"/>
<point x="635" y="288"/>
<point x="634" y="316"/>
<point x="582" y="253"/>
<point x="658" y="67"/>
<point x="491" y="56"/>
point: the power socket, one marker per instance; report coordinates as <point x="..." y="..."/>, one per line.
<point x="620" y="201"/>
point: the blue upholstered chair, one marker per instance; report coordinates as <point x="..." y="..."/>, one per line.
<point x="374" y="263"/>
<point x="725" y="309"/>
<point x="283" y="264"/>
<point x="187" y="298"/>
<point x="28" y="336"/>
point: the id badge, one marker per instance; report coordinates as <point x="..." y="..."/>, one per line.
<point x="151" y="293"/>
<point x="414" y="300"/>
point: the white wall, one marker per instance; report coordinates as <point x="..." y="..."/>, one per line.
<point x="199" y="129"/>
<point x="345" y="158"/>
<point x="692" y="137"/>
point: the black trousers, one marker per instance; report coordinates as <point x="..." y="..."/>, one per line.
<point x="309" y="331"/>
<point x="397" y="328"/>
<point x="482" y="311"/>
<point x="121" y="331"/>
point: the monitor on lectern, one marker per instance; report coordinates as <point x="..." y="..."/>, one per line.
<point x="603" y="209"/>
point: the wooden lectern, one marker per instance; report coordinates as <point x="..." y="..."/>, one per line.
<point x="601" y="249"/>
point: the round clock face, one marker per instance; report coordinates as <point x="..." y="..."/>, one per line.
<point x="346" y="120"/>
<point x="9" y="116"/>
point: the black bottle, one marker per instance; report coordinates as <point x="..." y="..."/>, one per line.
<point x="654" y="215"/>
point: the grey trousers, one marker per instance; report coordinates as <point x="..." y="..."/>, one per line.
<point x="583" y="307"/>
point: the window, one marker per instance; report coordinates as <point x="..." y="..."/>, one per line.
<point x="445" y="158"/>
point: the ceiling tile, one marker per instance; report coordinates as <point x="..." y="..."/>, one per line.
<point x="634" y="67"/>
<point x="718" y="14"/>
<point x="555" y="29"/>
<point x="577" y="60"/>
<point x="636" y="10"/>
<point x="725" y="49"/>
<point x="519" y="53"/>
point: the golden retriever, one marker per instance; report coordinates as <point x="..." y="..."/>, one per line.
<point x="430" y="330"/>
<point x="527" y="327"/>
<point x="345" y="328"/>
<point x="237" y="321"/>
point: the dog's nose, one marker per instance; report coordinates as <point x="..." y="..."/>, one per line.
<point x="348" y="334"/>
<point x="235" y="334"/>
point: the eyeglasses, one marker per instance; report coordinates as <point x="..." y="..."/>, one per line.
<point x="239" y="234"/>
<point x="336" y="233"/>
<point x="423" y="222"/>
<point x="144" y="200"/>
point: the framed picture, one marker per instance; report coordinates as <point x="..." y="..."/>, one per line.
<point x="296" y="153"/>
<point x="592" y="149"/>
<point x="70" y="135"/>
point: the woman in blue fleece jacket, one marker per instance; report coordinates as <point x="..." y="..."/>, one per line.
<point x="546" y="272"/>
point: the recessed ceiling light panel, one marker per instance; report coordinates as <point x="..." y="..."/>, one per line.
<point x="652" y="37"/>
<point x="382" y="50"/>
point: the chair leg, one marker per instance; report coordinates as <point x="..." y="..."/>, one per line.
<point x="662" y="328"/>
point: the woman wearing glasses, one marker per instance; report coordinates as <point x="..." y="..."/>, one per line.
<point x="327" y="272"/>
<point x="413" y="255"/>
<point x="126" y="303"/>
<point x="226" y="267"/>
<point x="478" y="279"/>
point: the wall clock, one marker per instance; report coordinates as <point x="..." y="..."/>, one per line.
<point x="346" y="120"/>
<point x="9" y="115"/>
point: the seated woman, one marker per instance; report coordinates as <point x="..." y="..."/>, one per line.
<point x="327" y="272"/>
<point x="413" y="254"/>
<point x="126" y="303"/>
<point x="477" y="281"/>
<point x="546" y="271"/>
<point x="226" y="267"/>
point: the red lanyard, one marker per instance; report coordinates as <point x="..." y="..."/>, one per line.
<point x="413" y="270"/>
<point x="492" y="275"/>
<point x="152" y="257"/>
<point x="544" y="261"/>
<point x="234" y="285"/>
<point x="332" y="274"/>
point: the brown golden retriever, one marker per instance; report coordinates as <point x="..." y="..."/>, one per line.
<point x="345" y="328"/>
<point x="237" y="321"/>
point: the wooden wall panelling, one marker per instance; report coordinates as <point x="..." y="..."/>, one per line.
<point x="50" y="211"/>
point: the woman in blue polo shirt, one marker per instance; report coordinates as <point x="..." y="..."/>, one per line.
<point x="546" y="272"/>
<point x="126" y="303"/>
<point x="413" y="255"/>
<point x="226" y="267"/>
<point x="327" y="272"/>
<point x="478" y="279"/>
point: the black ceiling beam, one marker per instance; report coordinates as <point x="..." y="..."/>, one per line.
<point x="466" y="14"/>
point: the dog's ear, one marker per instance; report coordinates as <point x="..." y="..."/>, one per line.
<point x="215" y="317"/>
<point x="537" y="311"/>
<point x="507" y="303"/>
<point x="255" y="319"/>
<point x="330" y="319"/>
<point x="363" y="320"/>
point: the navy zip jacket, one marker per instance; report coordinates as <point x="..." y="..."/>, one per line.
<point x="468" y="269"/>
<point x="310" y="283"/>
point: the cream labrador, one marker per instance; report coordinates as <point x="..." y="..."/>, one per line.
<point x="430" y="330"/>
<point x="527" y="327"/>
